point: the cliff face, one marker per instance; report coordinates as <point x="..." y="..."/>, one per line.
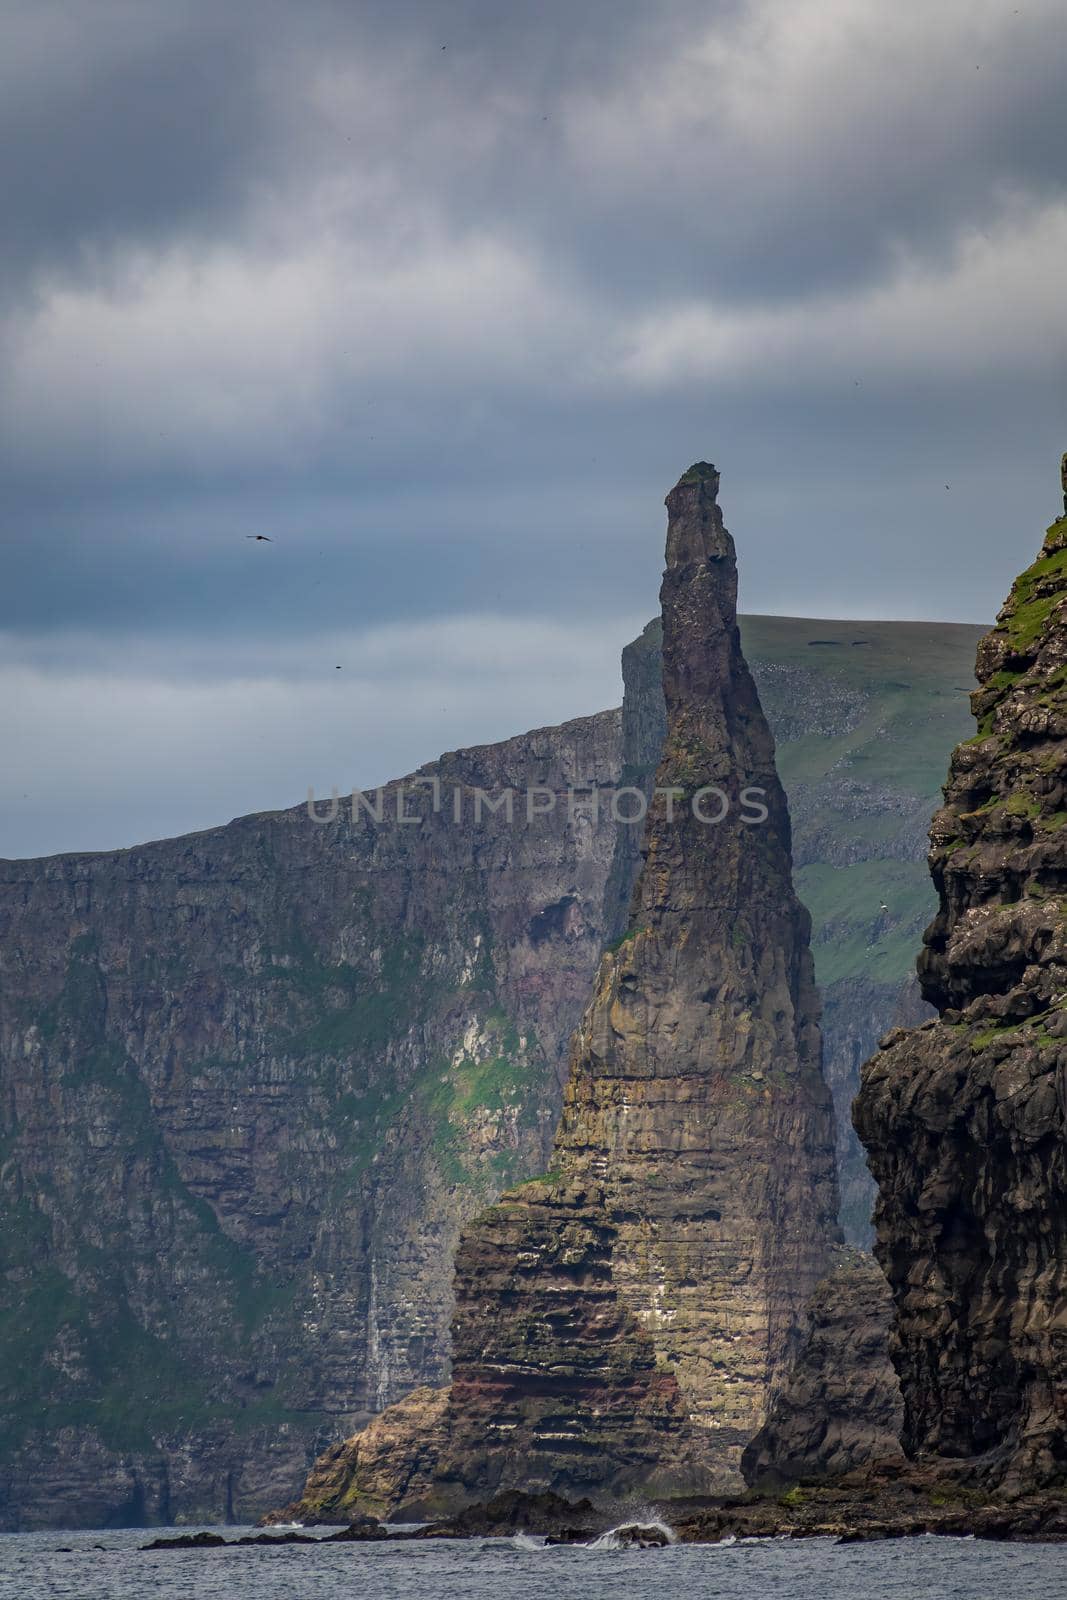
<point x="965" y="1119"/>
<point x="864" y="715"/>
<point x="840" y="1407"/>
<point x="252" y="1082"/>
<point x="621" y="1324"/>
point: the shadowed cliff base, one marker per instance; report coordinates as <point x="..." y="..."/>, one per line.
<point x="840" y="1407"/>
<point x="622" y="1323"/>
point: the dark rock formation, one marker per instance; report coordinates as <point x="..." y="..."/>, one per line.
<point x="863" y="716"/>
<point x="965" y="1118"/>
<point x="514" y="1511"/>
<point x="890" y="1500"/>
<point x="621" y="1324"/>
<point x="364" y="1530"/>
<point x="840" y="1407"/>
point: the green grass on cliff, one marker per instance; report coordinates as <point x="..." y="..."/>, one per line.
<point x="499" y="1085"/>
<point x="77" y="1346"/>
<point x="851" y="935"/>
<point x="699" y="472"/>
<point x="862" y="798"/>
<point x="1029" y="613"/>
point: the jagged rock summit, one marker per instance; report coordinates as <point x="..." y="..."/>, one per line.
<point x="965" y="1119"/>
<point x="622" y="1323"/>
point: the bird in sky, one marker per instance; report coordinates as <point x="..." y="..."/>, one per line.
<point x="264" y="536"/>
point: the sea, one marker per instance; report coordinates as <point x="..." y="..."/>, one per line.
<point x="110" y="1566"/>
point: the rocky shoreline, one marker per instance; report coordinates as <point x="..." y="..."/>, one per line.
<point x="891" y="1500"/>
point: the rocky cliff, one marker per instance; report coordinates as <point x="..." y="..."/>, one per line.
<point x="621" y="1324"/>
<point x="253" y="1081"/>
<point x="840" y="1408"/>
<point x="864" y="715"/>
<point x="965" y="1118"/>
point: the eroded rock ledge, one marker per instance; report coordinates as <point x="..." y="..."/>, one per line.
<point x="890" y="1500"/>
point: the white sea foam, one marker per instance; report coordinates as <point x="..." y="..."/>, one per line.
<point x="614" y="1538"/>
<point x="527" y="1541"/>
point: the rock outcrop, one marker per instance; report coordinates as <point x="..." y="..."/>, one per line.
<point x="622" y="1323"/>
<point x="840" y="1407"/>
<point x="894" y="1499"/>
<point x="965" y="1118"/>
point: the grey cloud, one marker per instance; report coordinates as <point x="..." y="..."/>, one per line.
<point x="590" y="133"/>
<point x="124" y="125"/>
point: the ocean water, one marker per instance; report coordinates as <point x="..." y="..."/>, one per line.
<point x="109" y="1566"/>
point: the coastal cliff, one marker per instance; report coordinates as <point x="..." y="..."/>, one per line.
<point x="965" y="1118"/>
<point x="254" y="1081"/>
<point x="622" y="1323"/>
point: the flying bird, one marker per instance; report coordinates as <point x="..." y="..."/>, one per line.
<point x="265" y="537"/>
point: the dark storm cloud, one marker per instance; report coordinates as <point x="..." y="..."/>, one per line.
<point x="123" y="124"/>
<point x="135" y="122"/>
<point x="690" y="147"/>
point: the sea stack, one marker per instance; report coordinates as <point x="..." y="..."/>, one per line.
<point x="622" y="1323"/>
<point x="965" y="1118"/>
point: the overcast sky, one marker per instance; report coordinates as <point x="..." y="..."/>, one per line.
<point x="442" y="296"/>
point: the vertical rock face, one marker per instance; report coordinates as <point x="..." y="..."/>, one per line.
<point x="621" y="1324"/>
<point x="965" y="1119"/>
<point x="864" y="716"/>
<point x="695" y="1094"/>
<point x="252" y="1083"/>
<point x="841" y="1406"/>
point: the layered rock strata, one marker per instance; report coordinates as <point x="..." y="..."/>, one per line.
<point x="864" y="716"/>
<point x="252" y="1083"/>
<point x="621" y="1324"/>
<point x="965" y="1118"/>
